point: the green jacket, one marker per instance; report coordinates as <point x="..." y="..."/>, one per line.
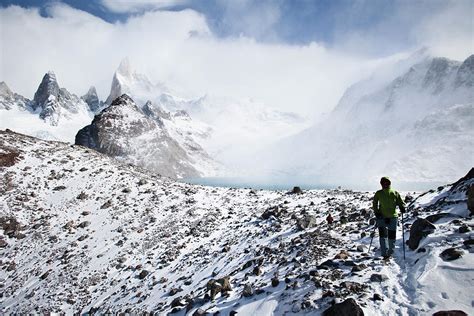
<point x="386" y="201"/>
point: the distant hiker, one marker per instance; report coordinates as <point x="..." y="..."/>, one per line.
<point x="330" y="219"/>
<point x="384" y="205"/>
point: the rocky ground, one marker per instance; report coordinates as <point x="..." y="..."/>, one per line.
<point x="83" y="233"/>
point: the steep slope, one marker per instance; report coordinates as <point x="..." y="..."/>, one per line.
<point x="124" y="131"/>
<point x="83" y="233"/>
<point x="10" y="100"/>
<point x="417" y="128"/>
<point x="54" y="112"/>
<point x="92" y="100"/>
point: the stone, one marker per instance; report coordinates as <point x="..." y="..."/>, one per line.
<point x="377" y="297"/>
<point x="248" y="290"/>
<point x="308" y="221"/>
<point x="420" y="228"/>
<point x="296" y="190"/>
<point x="343" y="254"/>
<point x="451" y="254"/>
<point x="143" y="274"/>
<point x="347" y="308"/>
<point x="84" y="224"/>
<point x="378" y="277"/>
<point x="275" y="282"/>
<point x="468" y="243"/>
<point x="450" y="313"/>
<point x="3" y="243"/>
<point x="359" y="267"/>
<point x="464" y="229"/>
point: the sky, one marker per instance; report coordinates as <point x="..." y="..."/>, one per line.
<point x="295" y="56"/>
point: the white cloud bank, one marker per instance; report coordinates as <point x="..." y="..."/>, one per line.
<point x="124" y="6"/>
<point x="178" y="48"/>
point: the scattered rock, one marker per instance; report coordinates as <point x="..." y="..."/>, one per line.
<point x="343" y="254"/>
<point x="143" y="274"/>
<point x="451" y="254"/>
<point x="347" y="308"/>
<point x="378" y="277"/>
<point x="106" y="204"/>
<point x="82" y="196"/>
<point x="377" y="297"/>
<point x="59" y="188"/>
<point x="296" y="190"/>
<point x="84" y="224"/>
<point x="248" y="290"/>
<point x="420" y="228"/>
<point x="308" y="221"/>
<point x="464" y="229"/>
<point x="450" y="313"/>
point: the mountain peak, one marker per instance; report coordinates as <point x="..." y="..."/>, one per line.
<point x="4" y="89"/>
<point x="47" y="88"/>
<point x="92" y="99"/>
<point x="125" y="68"/>
<point x="465" y="74"/>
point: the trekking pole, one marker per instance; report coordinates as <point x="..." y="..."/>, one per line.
<point x="372" y="239"/>
<point x="403" y="236"/>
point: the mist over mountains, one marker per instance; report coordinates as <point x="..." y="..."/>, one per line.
<point x="411" y="119"/>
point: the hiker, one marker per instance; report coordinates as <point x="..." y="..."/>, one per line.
<point x="330" y="219"/>
<point x="384" y="205"/>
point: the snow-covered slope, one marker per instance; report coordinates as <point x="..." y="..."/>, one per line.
<point x="142" y="137"/>
<point x="81" y="232"/>
<point x="54" y="112"/>
<point x="417" y="128"/>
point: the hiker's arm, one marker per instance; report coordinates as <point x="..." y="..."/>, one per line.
<point x="400" y="203"/>
<point x="375" y="205"/>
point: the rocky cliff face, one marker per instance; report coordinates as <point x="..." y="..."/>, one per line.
<point x="92" y="100"/>
<point x="52" y="103"/>
<point x="124" y="131"/>
<point x="10" y="100"/>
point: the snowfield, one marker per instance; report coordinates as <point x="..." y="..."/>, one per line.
<point x="84" y="233"/>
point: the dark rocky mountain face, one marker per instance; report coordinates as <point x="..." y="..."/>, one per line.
<point x="124" y="131"/>
<point x="53" y="102"/>
<point x="48" y="88"/>
<point x="92" y="100"/>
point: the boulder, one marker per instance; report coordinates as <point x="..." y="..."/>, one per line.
<point x="378" y="277"/>
<point x="420" y="228"/>
<point x="451" y="254"/>
<point x="248" y="291"/>
<point x="308" y="221"/>
<point x="450" y="313"/>
<point x="347" y="308"/>
<point x="296" y="190"/>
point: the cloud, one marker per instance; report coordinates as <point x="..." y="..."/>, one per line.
<point x="133" y="6"/>
<point x="180" y="49"/>
<point x="174" y="47"/>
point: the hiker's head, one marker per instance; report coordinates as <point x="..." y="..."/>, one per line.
<point x="385" y="182"/>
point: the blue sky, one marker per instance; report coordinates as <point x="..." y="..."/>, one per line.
<point x="298" y="22"/>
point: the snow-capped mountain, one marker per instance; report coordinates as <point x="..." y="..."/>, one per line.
<point x="54" y="112"/>
<point x="142" y="137"/>
<point x="235" y="127"/>
<point x="416" y="128"/>
<point x="10" y="100"/>
<point x="92" y="100"/>
<point x="127" y="81"/>
<point x="81" y="233"/>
